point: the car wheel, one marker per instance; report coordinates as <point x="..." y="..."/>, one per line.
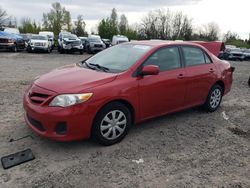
<point x="111" y="124"/>
<point x="89" y="50"/>
<point x="14" y="49"/>
<point x="29" y="49"/>
<point x="81" y="52"/>
<point x="214" y="98"/>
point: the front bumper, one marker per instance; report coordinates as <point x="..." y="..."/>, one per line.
<point x="72" y="47"/>
<point x="39" y="48"/>
<point x="45" y="120"/>
<point x="96" y="49"/>
<point x="6" y="45"/>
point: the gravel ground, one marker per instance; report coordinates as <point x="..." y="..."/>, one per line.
<point x="186" y="149"/>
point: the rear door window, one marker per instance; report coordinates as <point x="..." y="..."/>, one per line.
<point x="194" y="56"/>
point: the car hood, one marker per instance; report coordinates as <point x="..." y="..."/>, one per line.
<point x="10" y="36"/>
<point x="73" y="79"/>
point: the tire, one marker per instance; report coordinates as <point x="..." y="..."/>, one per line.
<point x="106" y="130"/>
<point x="214" y="98"/>
<point x="29" y="49"/>
<point x="14" y="49"/>
<point x="61" y="50"/>
<point x="89" y="50"/>
<point x="81" y="52"/>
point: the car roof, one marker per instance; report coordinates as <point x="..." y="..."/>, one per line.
<point x="163" y="43"/>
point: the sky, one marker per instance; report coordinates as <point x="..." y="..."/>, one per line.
<point x="228" y="14"/>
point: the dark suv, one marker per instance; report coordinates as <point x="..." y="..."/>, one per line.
<point x="94" y="44"/>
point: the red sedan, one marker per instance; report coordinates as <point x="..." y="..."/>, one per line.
<point x="104" y="95"/>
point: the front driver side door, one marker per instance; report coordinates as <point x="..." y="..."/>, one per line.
<point x="165" y="92"/>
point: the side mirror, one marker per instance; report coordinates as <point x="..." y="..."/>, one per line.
<point x="150" y="70"/>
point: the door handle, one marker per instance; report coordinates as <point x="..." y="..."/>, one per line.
<point x="180" y="76"/>
<point x="211" y="70"/>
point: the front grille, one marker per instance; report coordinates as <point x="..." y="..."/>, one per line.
<point x="38" y="98"/>
<point x="3" y="40"/>
<point x="36" y="124"/>
<point x="76" y="43"/>
<point x="39" y="44"/>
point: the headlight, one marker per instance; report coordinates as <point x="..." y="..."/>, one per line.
<point x="10" y="41"/>
<point x="70" y="99"/>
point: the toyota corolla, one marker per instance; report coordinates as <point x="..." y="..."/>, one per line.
<point x="101" y="97"/>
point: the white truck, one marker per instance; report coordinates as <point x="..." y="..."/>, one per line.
<point x="118" y="39"/>
<point x="68" y="42"/>
<point x="50" y="35"/>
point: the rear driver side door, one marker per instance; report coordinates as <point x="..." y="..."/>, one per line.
<point x="200" y="74"/>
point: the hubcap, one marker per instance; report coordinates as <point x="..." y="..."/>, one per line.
<point x="215" y="98"/>
<point x="113" y="124"/>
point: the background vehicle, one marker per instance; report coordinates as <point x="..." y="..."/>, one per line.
<point x="51" y="37"/>
<point x="234" y="54"/>
<point x="246" y="53"/>
<point x="125" y="84"/>
<point x="118" y="39"/>
<point x="39" y="43"/>
<point x="84" y="40"/>
<point x="107" y="42"/>
<point x="94" y="44"/>
<point x="68" y="42"/>
<point x="26" y="38"/>
<point x="11" y="42"/>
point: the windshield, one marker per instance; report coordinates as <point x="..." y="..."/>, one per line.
<point x="94" y="39"/>
<point x="39" y="37"/>
<point x="70" y="36"/>
<point x="119" y="58"/>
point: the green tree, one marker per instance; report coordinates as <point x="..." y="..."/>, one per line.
<point x="79" y="30"/>
<point x="104" y="29"/>
<point x="67" y="19"/>
<point x="27" y="26"/>
<point x="56" y="19"/>
<point x="123" y="24"/>
<point x="114" y="21"/>
<point x="229" y="36"/>
<point x="108" y="27"/>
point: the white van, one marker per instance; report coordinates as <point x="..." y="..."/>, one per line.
<point x="118" y="39"/>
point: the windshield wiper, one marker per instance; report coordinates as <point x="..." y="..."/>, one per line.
<point x="105" y="69"/>
<point x="81" y="63"/>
